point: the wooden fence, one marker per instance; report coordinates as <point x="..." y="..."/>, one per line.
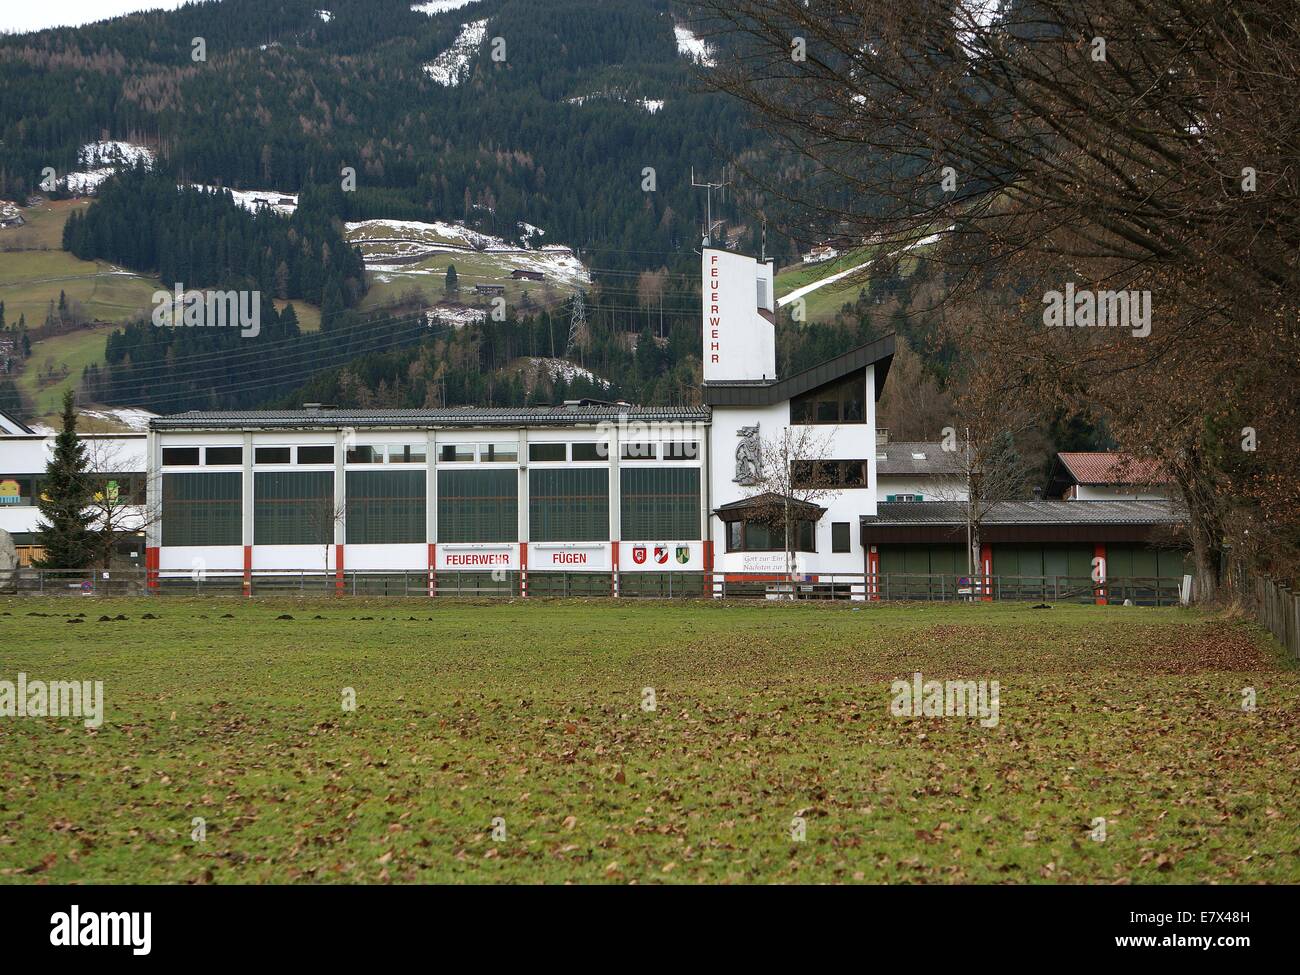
<point x="1278" y="610"/>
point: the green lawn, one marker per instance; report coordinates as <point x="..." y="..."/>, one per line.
<point x="532" y="713"/>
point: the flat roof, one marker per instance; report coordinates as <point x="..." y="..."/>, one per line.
<point x="902" y="513"/>
<point x="324" y="418"/>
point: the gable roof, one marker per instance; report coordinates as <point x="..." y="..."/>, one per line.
<point x="10" y="424"/>
<point x="1102" y="468"/>
<point x="879" y="353"/>
<point x="900" y="458"/>
<point x="1111" y="468"/>
<point x="768" y="501"/>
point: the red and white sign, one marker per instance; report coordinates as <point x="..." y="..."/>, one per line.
<point x="568" y="556"/>
<point x="477" y="557"/>
<point x="638" y="554"/>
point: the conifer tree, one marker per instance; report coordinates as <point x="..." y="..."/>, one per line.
<point x="66" y="532"/>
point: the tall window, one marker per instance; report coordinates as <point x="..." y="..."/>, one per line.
<point x="293" y="507"/>
<point x="385" y="507"/>
<point x="478" y="506"/>
<point x="660" y="503"/>
<point x="841" y="401"/>
<point x="202" y="508"/>
<point x="568" y="504"/>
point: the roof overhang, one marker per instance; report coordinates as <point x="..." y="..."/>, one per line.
<point x="879" y="353"/>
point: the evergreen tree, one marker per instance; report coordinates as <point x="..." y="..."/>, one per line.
<point x="452" y="282"/>
<point x="66" y="531"/>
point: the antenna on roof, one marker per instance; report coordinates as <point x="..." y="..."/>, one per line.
<point x="709" y="187"/>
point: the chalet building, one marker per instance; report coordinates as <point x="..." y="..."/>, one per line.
<point x="1104" y="476"/>
<point x="521" y="275"/>
<point x="490" y="289"/>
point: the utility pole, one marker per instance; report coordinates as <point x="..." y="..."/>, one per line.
<point x="577" y="323"/>
<point x="709" y="188"/>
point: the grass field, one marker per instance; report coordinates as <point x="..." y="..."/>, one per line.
<point x="221" y="709"/>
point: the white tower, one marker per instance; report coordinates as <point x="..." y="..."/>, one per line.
<point x="738" y="318"/>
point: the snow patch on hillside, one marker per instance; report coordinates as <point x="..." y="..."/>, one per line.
<point x="451" y="67"/>
<point x="457" y="316"/>
<point x="100" y="160"/>
<point x="396" y="247"/>
<point x="133" y="419"/>
<point x="650" y="105"/>
<point x="440" y="6"/>
<point x="325" y="15"/>
<point x="566" y="370"/>
<point x="283" y="204"/>
<point x="695" y="48"/>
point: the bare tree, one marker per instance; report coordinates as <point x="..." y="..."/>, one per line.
<point x="120" y="499"/>
<point x="789" y="474"/>
<point x="324" y="516"/>
<point x="1144" y="146"/>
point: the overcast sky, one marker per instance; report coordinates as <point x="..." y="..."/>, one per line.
<point x="19" y="16"/>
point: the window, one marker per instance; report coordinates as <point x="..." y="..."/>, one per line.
<point x="316" y="454"/>
<point x="271" y="455"/>
<point x="498" y="453"/>
<point x="19" y="489"/>
<point x="568" y="504"/>
<point x="638" y="450"/>
<point x="763" y="536"/>
<point x="365" y="454"/>
<point x="546" y="452"/>
<point x="478" y="506"/>
<point x="385" y="507"/>
<point x="119" y="489"/>
<point x="223" y="456"/>
<point x="590" y="451"/>
<point x="840" y="536"/>
<point x="293" y="507"/>
<point x="660" y="504"/>
<point x="903" y="497"/>
<point x="831" y="474"/>
<point x="456" y="453"/>
<point x="681" y="450"/>
<point x="841" y="401"/>
<point x="405" y="453"/>
<point x="202" y="508"/>
<point x="180" y="456"/>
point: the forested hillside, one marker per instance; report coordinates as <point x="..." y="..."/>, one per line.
<point x="555" y="134"/>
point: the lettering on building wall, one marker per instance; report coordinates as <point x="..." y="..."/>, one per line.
<point x="715" y="347"/>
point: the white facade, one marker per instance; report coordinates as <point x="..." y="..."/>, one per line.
<point x="23" y="459"/>
<point x="752" y="410"/>
<point x="1117" y="492"/>
<point x="739" y="343"/>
